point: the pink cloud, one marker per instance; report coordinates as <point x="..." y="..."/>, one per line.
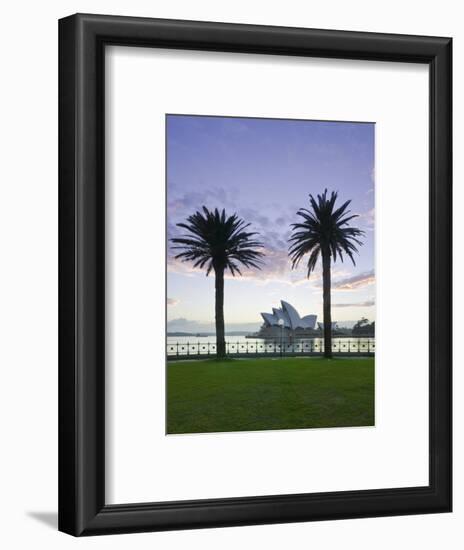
<point x="357" y="281"/>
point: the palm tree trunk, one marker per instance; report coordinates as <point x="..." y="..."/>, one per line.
<point x="219" y="305"/>
<point x="327" y="305"/>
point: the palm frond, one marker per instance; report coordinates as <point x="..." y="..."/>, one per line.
<point x="218" y="241"/>
<point x="324" y="229"/>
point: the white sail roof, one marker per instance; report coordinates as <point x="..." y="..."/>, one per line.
<point x="290" y="317"/>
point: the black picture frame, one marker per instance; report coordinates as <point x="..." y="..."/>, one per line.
<point x="82" y="508"/>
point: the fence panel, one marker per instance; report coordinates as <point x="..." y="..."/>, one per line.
<point x="271" y="347"/>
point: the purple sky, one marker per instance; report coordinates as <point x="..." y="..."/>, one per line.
<point x="264" y="170"/>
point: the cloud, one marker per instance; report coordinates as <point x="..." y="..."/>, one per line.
<point x="172" y="301"/>
<point x="356" y="281"/>
<point x="182" y="205"/>
<point x="368" y="219"/>
<point x="255" y="217"/>
<point x="176" y="265"/>
<point x="276" y="268"/>
<point x="367" y="303"/>
<point x="275" y="265"/>
<point x="274" y="232"/>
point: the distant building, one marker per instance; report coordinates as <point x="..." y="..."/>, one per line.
<point x="286" y="319"/>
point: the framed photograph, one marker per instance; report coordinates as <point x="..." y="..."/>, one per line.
<point x="255" y="274"/>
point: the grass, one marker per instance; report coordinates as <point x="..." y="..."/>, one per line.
<point x="269" y="394"/>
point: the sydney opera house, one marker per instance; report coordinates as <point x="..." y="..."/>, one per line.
<point x="286" y="318"/>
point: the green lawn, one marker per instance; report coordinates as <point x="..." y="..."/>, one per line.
<point x="269" y="394"/>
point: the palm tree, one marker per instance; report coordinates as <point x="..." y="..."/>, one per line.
<point x="218" y="242"/>
<point x="324" y="231"/>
